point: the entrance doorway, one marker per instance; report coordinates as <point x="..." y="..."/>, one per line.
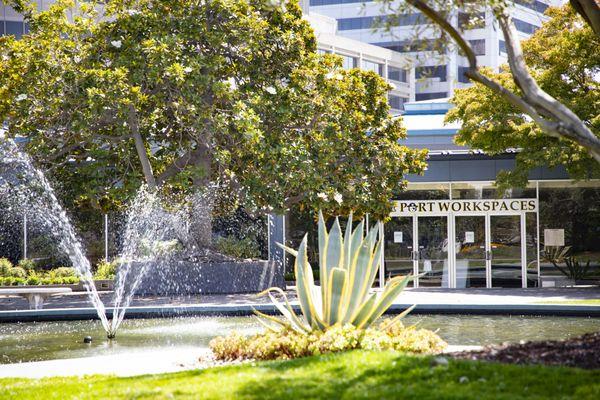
<point x="459" y="246"/>
<point x="433" y="265"/>
<point x="506" y="255"/>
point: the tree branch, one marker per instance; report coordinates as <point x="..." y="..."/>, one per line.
<point x="565" y="122"/>
<point x="589" y="11"/>
<point x="192" y="157"/>
<point x="141" y="148"/>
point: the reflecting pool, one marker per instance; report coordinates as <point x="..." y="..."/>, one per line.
<point x="34" y="341"/>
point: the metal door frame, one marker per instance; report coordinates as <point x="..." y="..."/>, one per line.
<point x="488" y="244"/>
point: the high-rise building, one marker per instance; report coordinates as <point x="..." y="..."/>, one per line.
<point x="392" y="66"/>
<point x="436" y="75"/>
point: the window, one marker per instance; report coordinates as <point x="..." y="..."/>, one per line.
<point x="478" y="46"/>
<point x="396" y="74"/>
<point x="501" y="47"/>
<point x="430" y="96"/>
<point x="471" y="20"/>
<point x="348" y="62"/>
<point x="14" y="28"/>
<point x="433" y="71"/>
<point x="373" y="66"/>
<point x="346" y="24"/>
<point x="408" y="46"/>
<point x="330" y="2"/>
<point x="534" y="5"/>
<point x="525" y="27"/>
<point x="323" y="51"/>
<point x="461" y="74"/>
<point x="396" y="102"/>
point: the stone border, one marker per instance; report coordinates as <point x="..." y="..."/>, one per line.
<point x="67" y="314"/>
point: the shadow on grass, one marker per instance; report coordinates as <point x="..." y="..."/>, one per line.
<point x="365" y="375"/>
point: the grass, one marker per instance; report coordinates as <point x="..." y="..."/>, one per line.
<point x="352" y="375"/>
<point x="583" y="302"/>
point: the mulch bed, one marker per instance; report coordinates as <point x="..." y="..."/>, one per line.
<point x="582" y="352"/>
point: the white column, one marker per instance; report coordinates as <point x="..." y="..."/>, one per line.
<point x="537" y="221"/>
<point x="523" y="251"/>
<point x="24" y="236"/>
<point x="106" y="237"/>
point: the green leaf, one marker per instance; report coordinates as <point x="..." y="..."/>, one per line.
<point x="337" y="286"/>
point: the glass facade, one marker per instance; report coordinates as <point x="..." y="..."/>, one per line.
<point x="396" y="102"/>
<point x="397" y="74"/>
<point x="496" y="247"/>
<point x="373" y="66"/>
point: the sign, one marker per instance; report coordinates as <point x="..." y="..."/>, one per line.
<point x="469" y="237"/>
<point x="398" y="237"/>
<point x="554" y="237"/>
<point x="464" y="207"/>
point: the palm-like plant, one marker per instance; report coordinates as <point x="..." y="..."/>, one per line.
<point x="348" y="267"/>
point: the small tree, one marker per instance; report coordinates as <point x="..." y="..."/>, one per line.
<point x="553" y="117"/>
<point x="563" y="57"/>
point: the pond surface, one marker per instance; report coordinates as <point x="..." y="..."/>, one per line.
<point x="34" y="341"/>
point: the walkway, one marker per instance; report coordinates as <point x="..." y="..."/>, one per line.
<point x="457" y="301"/>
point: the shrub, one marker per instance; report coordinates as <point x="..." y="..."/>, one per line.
<point x="33" y="278"/>
<point x="106" y="270"/>
<point x="62" y="272"/>
<point x="8" y="281"/>
<point x="70" y="280"/>
<point x="18" y="281"/>
<point x="18" y="272"/>
<point x="238" y="248"/>
<point x="5" y="266"/>
<point x="27" y="264"/>
<point x="289" y="343"/>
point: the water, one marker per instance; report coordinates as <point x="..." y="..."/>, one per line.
<point x="30" y="193"/>
<point x="155" y="232"/>
<point x="154" y="235"/>
<point x="20" y="342"/>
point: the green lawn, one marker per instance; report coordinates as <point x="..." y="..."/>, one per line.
<point x="356" y="375"/>
<point x="583" y="302"/>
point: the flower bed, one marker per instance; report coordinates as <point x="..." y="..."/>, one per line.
<point x="288" y="344"/>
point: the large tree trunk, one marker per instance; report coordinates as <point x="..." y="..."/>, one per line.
<point x="202" y="201"/>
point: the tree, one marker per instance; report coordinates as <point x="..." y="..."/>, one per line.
<point x="554" y="118"/>
<point x="564" y="59"/>
<point x="178" y="94"/>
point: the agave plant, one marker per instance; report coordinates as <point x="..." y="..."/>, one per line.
<point x="349" y="264"/>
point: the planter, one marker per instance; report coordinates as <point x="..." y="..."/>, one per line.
<point x="556" y="281"/>
<point x="188" y="278"/>
<point x="101" y="285"/>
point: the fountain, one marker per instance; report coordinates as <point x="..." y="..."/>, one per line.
<point x="152" y="232"/>
<point x="30" y="192"/>
<point x="158" y="238"/>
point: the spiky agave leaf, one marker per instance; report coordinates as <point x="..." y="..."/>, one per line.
<point x="304" y="286"/>
<point x="393" y="321"/>
<point x="391" y="291"/>
<point x="348" y="244"/>
<point x="286" y="309"/>
<point x="337" y="288"/>
<point x="262" y="318"/>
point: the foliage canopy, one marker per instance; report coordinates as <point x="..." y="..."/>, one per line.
<point x="178" y="93"/>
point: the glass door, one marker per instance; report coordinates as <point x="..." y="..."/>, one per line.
<point x="470" y="251"/>
<point x="433" y="251"/>
<point x="505" y="245"/>
<point x="399" y="249"/>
